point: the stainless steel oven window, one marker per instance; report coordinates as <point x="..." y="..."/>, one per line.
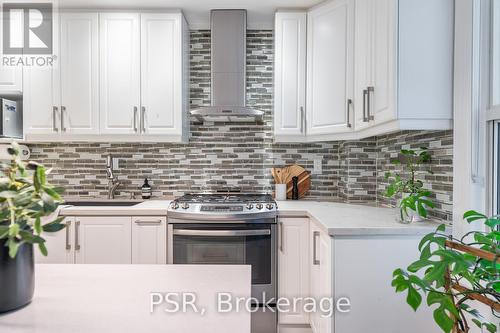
<point x="226" y="244"/>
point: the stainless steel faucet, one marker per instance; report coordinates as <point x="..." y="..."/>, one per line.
<point x="113" y="182"/>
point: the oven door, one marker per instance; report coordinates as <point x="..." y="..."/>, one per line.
<point x="228" y="244"/>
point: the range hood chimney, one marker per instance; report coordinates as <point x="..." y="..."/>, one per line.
<point x="228" y="69"/>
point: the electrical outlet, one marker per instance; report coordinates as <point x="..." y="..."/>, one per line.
<point x="318" y="166"/>
<point x="116" y="164"/>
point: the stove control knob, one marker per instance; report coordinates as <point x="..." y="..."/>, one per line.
<point x="185" y="205"/>
<point x="259" y="206"/>
<point x="249" y="206"/>
<point x="175" y="205"/>
<point x="269" y="206"/>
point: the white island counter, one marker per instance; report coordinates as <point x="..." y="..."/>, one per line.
<point x="117" y="298"/>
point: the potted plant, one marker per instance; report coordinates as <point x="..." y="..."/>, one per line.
<point x="25" y="199"/>
<point x="414" y="198"/>
<point x="454" y="275"/>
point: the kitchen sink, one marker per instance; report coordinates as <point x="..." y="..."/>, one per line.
<point x="102" y="203"/>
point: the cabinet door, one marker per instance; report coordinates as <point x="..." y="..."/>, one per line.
<point x="290" y="74"/>
<point x="11" y="80"/>
<point x="60" y="245"/>
<point x="383" y="72"/>
<point x="149" y="240"/>
<point x="161" y="74"/>
<point x="41" y="112"/>
<point x="321" y="283"/>
<point x="119" y="73"/>
<point x="79" y="73"/>
<point x="293" y="271"/>
<point x="325" y="278"/>
<point x="362" y="61"/>
<point x="330" y="68"/>
<point x="103" y="240"/>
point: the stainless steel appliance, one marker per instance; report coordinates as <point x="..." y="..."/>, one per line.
<point x="229" y="28"/>
<point x="230" y="229"/>
<point x="12" y="119"/>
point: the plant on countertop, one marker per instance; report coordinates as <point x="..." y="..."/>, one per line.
<point x="414" y="196"/>
<point x="25" y="198"/>
<point x="454" y="274"/>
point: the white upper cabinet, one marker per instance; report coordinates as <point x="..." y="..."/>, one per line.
<point x="162" y="56"/>
<point x="79" y="73"/>
<point x="11" y="80"/>
<point x="373" y="67"/>
<point x="41" y="113"/>
<point x="329" y="67"/>
<point x="495" y="57"/>
<point x="375" y="40"/>
<point x="119" y="72"/>
<point x="290" y="74"/>
<point x="119" y="77"/>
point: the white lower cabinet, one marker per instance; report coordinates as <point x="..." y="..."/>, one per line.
<point x="149" y="240"/>
<point x="321" y="284"/>
<point x="103" y="240"/>
<point x="293" y="258"/>
<point x="107" y="240"/>
<point x="59" y="245"/>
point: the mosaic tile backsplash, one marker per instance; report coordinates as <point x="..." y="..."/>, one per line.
<point x="241" y="155"/>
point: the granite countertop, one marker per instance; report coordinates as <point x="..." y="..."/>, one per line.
<point x="338" y="219"/>
<point x="117" y="298"/>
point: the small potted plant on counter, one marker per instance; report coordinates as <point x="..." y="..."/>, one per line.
<point x="27" y="200"/>
<point x="414" y="198"/>
<point x="455" y="276"/>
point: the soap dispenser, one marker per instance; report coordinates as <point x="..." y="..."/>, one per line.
<point x="146" y="190"/>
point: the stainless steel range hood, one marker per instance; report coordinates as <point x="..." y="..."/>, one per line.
<point x="228" y="69"/>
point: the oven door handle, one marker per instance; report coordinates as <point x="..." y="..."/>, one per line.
<point x="221" y="233"/>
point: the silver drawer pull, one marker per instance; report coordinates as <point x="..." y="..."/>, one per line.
<point x="222" y="233"/>
<point x="149" y="222"/>
<point x="54" y="120"/>
<point x="369" y="91"/>
<point x="77" y="235"/>
<point x="349" y="103"/>
<point x="281" y="227"/>
<point x="315" y="250"/>
<point x="68" y="226"/>
<point x="135" y="119"/>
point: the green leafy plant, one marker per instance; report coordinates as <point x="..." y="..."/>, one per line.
<point x="25" y="198"/>
<point x="414" y="196"/>
<point x="453" y="274"/>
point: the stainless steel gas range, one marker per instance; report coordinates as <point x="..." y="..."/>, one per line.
<point x="229" y="229"/>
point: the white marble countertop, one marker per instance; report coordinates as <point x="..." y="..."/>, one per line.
<point x="117" y="298"/>
<point x="338" y="219"/>
<point x="341" y="219"/>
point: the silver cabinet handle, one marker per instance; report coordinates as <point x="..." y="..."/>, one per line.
<point x="221" y="233"/>
<point x="143" y="119"/>
<point x="77" y="235"/>
<point x="149" y="222"/>
<point x="315" y="245"/>
<point x="135" y="119"/>
<point x="281" y="227"/>
<point x="63" y="109"/>
<point x="349" y="104"/>
<point x="54" y="120"/>
<point x="369" y="90"/>
<point x="302" y="120"/>
<point x="365" y="118"/>
<point x="68" y="226"/>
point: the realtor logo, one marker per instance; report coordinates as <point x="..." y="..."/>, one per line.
<point x="27" y="28"/>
